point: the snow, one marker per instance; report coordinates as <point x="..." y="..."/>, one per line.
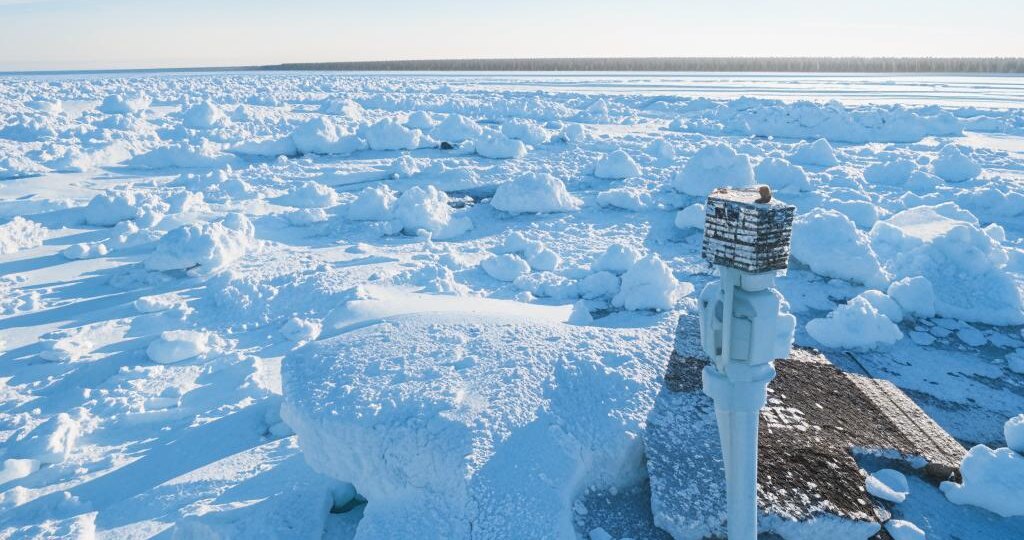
<point x="309" y="194"/>
<point x="616" y="165"/>
<point x="691" y="217"/>
<point x="203" y="115"/>
<point x="830" y="244"/>
<point x="374" y="203"/>
<point x="915" y="296"/>
<point x="617" y="259"/>
<point x="953" y="165"/>
<point x="888" y="485"/>
<point x="20" y="233"/>
<point x="534" y="193"/>
<point x="203" y="249"/>
<point x="490" y="400"/>
<point x="505" y="267"/>
<point x="1013" y="432"/>
<point x="714" y="166"/>
<point x="649" y="284"/>
<point x="781" y="175"/>
<point x="427" y="209"/>
<point x="177" y="345"/>
<point x="991" y="480"/>
<point x="816" y="154"/>
<point x="854" y="325"/>
<point x="903" y="530"/>
<point x="390" y="134"/>
<point x="227" y="220"/>
<point x="965" y="266"/>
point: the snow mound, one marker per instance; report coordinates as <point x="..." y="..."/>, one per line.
<point x="505" y="267"/>
<point x="781" y="175"/>
<point x="204" y="248"/>
<point x="18" y="166"/>
<point x="321" y="136"/>
<point x="534" y="193"/>
<point x="526" y="130"/>
<point x="816" y="154"/>
<point x="714" y="166"/>
<point x="904" y="530"/>
<point x="691" y="217"/>
<point x="301" y="330"/>
<point x="888" y="485"/>
<point x="427" y="209"/>
<point x="493" y="437"/>
<point x="649" y="284"/>
<point x="953" y="165"/>
<point x="456" y="128"/>
<point x="109" y="209"/>
<point x="20" y="233"/>
<point x="309" y="194"/>
<point x="854" y="325"/>
<point x="178" y="345"/>
<point x="991" y="480"/>
<point x="617" y="259"/>
<point x="374" y="203"/>
<point x="495" y="145"/>
<point x="390" y="134"/>
<point x="184" y="155"/>
<point x="616" y="165"/>
<point x="890" y="173"/>
<point x="965" y="266"/>
<point x="830" y="244"/>
<point x="534" y="252"/>
<point x="626" y="197"/>
<point x="1013" y="432"/>
<point x="203" y="115"/>
<point x="49" y="442"/>
<point x="915" y="296"/>
<point x="118" y="104"/>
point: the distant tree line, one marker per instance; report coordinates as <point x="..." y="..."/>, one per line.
<point x="719" y="64"/>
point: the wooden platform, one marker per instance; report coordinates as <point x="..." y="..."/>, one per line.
<point x="817" y="419"/>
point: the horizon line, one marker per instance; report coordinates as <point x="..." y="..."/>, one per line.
<point x="669" y="64"/>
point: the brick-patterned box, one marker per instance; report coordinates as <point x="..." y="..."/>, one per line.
<point x="741" y="233"/>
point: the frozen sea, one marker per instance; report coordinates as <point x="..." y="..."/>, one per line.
<point x="196" y="266"/>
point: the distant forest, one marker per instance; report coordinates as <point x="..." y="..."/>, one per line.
<point x="766" y="64"/>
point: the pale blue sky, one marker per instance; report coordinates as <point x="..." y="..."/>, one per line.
<point x="91" y="34"/>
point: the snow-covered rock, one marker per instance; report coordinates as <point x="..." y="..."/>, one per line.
<point x="532" y="192"/>
<point x="714" y="166"/>
<point x="616" y="165"/>
<point x="830" y="244"/>
<point x="854" y="325"/>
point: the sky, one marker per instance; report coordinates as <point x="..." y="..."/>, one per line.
<point x="108" y="34"/>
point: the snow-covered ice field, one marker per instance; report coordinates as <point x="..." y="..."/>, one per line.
<point x="461" y="290"/>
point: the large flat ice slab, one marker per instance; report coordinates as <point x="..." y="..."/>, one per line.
<point x="475" y="424"/>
